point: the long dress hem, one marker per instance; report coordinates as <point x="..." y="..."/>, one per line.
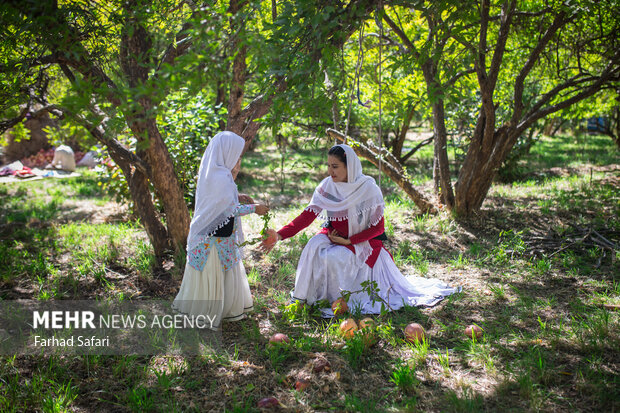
<point x="223" y="295"/>
<point x="326" y="270"/>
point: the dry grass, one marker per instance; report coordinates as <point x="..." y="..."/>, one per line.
<point x="549" y="345"/>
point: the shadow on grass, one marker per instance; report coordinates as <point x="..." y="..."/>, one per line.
<point x="547" y="346"/>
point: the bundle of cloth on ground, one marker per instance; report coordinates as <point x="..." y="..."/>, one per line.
<point x="64" y="158"/>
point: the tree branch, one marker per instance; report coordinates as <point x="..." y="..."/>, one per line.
<point x="457" y="76"/>
<point x="417" y="148"/>
<point x="9" y="123"/>
<point x="401" y="34"/>
<point x="611" y="72"/>
<point x="39" y="61"/>
<point x="500" y="45"/>
<point x="531" y="61"/>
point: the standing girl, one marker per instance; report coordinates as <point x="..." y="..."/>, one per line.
<point x="215" y="283"/>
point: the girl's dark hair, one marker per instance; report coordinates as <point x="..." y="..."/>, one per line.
<point x="339" y="153"/>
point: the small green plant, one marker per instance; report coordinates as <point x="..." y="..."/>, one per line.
<point x="469" y="401"/>
<point x="299" y="311"/>
<point x="499" y="291"/>
<point x="140" y="399"/>
<point x="478" y="351"/>
<point x="420" y="223"/>
<point x="459" y="262"/>
<point x="444" y="361"/>
<point x="353" y="403"/>
<point x="278" y="354"/>
<point x="542" y="266"/>
<point x="254" y="276"/>
<point x="509" y="246"/>
<point x="353" y="350"/>
<point x="403" y="376"/>
<point x="164" y="380"/>
<point x="476" y="249"/>
<point x="59" y="397"/>
<point x="420" y="350"/>
<point x="419" y="261"/>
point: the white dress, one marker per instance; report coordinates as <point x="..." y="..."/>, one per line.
<point x="326" y="269"/>
<point x="219" y="290"/>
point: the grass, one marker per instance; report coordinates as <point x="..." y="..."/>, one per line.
<point x="549" y="343"/>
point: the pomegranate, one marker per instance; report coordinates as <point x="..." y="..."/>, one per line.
<point x="367" y="329"/>
<point x="348" y="328"/>
<point x="268" y="403"/>
<point x="414" y="332"/>
<point x="472" y="331"/>
<point x="340" y="307"/>
<point x="302" y="384"/>
<point x="279" y="338"/>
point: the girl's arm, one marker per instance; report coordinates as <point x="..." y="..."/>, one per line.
<point x="245" y="209"/>
<point x="365" y="235"/>
<point x="302" y="221"/>
<point x="369" y="233"/>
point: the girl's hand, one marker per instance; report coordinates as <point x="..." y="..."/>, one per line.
<point x="261" y="209"/>
<point x="245" y="199"/>
<point x="272" y="237"/>
<point x="335" y="237"/>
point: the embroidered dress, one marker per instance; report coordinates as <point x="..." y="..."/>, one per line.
<point x="227" y="248"/>
<point x="215" y="285"/>
<point x="325" y="269"/>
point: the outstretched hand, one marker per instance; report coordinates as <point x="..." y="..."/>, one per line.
<point x="261" y="209"/>
<point x="270" y="241"/>
<point x="335" y="237"/>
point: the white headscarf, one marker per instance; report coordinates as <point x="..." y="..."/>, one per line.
<point x="216" y="191"/>
<point x="359" y="200"/>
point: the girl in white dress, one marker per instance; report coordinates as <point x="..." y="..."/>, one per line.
<point x="215" y="283"/>
<point x="349" y="250"/>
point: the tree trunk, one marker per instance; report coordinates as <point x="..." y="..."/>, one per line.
<point x="141" y="195"/>
<point x="163" y="177"/>
<point x="136" y="47"/>
<point x="237" y="84"/>
<point x="220" y="99"/>
<point x="399" y="140"/>
<point x="441" y="155"/>
<point x="135" y="171"/>
<point x="441" y="166"/>
<point x="480" y="166"/>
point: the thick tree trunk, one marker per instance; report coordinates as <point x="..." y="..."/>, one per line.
<point x="141" y="195"/>
<point x="441" y="155"/>
<point x="237" y="122"/>
<point x="136" y="49"/>
<point x="480" y="166"/>
<point x="135" y="171"/>
<point x="163" y="177"/>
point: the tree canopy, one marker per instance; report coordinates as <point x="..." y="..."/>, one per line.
<point x="153" y="80"/>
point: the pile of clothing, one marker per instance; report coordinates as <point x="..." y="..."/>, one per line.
<point x="18" y="170"/>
